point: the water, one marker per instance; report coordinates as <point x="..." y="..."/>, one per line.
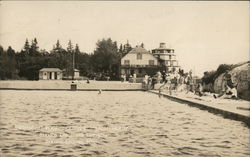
<point x="131" y="124"/>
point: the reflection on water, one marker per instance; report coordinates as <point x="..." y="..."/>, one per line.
<point x="65" y="123"/>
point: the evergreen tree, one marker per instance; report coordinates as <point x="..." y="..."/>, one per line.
<point x="1" y="50"/>
<point x="34" y="48"/>
<point x="70" y="47"/>
<point x="10" y="52"/>
<point x="77" y="49"/>
<point x="26" y="47"/>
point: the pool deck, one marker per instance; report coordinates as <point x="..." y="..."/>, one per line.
<point x="228" y="108"/>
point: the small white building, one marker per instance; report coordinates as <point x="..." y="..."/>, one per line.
<point x="68" y="74"/>
<point x="50" y="74"/>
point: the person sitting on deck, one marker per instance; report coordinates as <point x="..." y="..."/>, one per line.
<point x="229" y="87"/>
<point x="198" y="90"/>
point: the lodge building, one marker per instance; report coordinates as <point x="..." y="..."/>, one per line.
<point x="139" y="61"/>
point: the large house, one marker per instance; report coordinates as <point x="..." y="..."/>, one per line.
<point x="166" y="57"/>
<point x="138" y="61"/>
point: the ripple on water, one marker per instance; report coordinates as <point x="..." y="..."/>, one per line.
<point x="155" y="126"/>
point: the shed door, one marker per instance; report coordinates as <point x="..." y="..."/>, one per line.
<point x="50" y="75"/>
<point x="55" y="75"/>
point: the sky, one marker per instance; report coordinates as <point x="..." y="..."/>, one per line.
<point x="204" y="34"/>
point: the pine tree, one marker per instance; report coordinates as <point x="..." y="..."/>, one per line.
<point x="77" y="49"/>
<point x="70" y="47"/>
<point x="26" y="47"/>
<point x="58" y="46"/>
<point x="10" y="52"/>
<point x="34" y="48"/>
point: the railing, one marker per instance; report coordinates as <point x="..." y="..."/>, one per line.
<point x="138" y="66"/>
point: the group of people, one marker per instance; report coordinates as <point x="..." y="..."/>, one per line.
<point x="172" y="80"/>
<point x="177" y="81"/>
<point x="184" y="82"/>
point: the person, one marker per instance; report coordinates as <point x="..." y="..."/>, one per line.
<point x="108" y="78"/>
<point x="228" y="87"/>
<point x="130" y="78"/>
<point x="163" y="76"/>
<point x="198" y="90"/>
<point x="158" y="77"/>
<point x="145" y="82"/>
<point x="149" y="82"/>
<point x="100" y="91"/>
<point x="188" y="82"/>
<point x="154" y="81"/>
<point x="134" y="78"/>
<point x="122" y="78"/>
<point x="181" y="85"/>
<point x="166" y="83"/>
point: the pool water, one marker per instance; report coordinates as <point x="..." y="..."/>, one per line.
<point x="121" y="124"/>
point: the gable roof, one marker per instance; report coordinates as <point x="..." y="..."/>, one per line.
<point x="139" y="50"/>
<point x="51" y="69"/>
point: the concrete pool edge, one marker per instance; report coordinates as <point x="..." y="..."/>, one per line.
<point x="68" y="85"/>
<point x="225" y="113"/>
<point x="44" y="89"/>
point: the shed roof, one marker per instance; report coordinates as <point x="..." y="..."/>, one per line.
<point x="76" y="70"/>
<point x="51" y="69"/>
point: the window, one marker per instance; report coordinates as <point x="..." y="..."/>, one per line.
<point x="126" y="62"/>
<point x="174" y="63"/>
<point x="151" y="62"/>
<point x="139" y="56"/>
<point x="167" y="63"/>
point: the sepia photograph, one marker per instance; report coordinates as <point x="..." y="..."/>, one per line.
<point x="124" y="78"/>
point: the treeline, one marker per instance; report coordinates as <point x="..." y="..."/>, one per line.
<point x="104" y="61"/>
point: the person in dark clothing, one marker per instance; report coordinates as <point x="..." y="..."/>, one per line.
<point x="163" y="76"/>
<point x="154" y="81"/>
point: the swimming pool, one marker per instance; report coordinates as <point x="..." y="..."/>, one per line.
<point x="80" y="123"/>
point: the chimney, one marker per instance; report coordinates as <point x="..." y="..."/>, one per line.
<point x="162" y="45"/>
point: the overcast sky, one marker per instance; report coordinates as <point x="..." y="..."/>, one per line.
<point x="204" y="34"/>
